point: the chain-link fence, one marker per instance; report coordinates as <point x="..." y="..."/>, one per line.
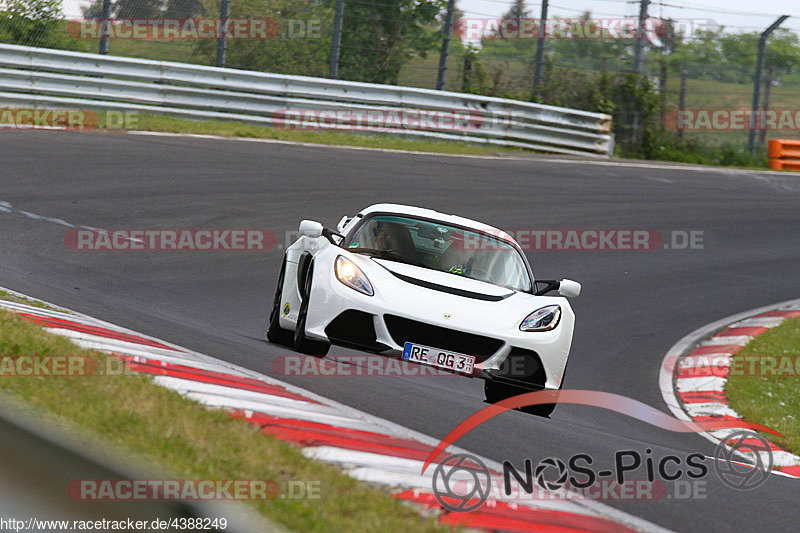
<point x="282" y="36"/>
<point x="379" y="38"/>
<point x="685" y="68"/>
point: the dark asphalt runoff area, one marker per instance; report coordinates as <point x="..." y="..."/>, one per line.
<point x="635" y="304"/>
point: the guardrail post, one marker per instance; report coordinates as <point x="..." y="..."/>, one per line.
<point x="762" y="45"/>
<point x="762" y="134"/>
<point x="104" y="29"/>
<point x="537" y="71"/>
<point x="637" y="51"/>
<point x="336" y="40"/>
<point x="448" y="26"/>
<point x="682" y="102"/>
<point x="222" y="40"/>
<point x="466" y="77"/>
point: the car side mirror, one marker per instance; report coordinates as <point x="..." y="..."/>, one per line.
<point x="311" y="228"/>
<point x="343" y="223"/>
<point x="569" y="288"/>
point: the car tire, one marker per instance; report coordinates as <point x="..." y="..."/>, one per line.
<point x="275" y="333"/>
<point x="496" y="392"/>
<point x="302" y="343"/>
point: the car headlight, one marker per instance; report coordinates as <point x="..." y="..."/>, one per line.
<point x="543" y="319"/>
<point x="348" y="273"/>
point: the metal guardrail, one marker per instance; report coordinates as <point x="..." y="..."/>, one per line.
<point x="39" y="459"/>
<point x="42" y="77"/>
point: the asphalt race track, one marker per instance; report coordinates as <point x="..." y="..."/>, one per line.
<point x="634" y="306"/>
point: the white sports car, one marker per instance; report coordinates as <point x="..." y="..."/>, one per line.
<point x="432" y="288"/>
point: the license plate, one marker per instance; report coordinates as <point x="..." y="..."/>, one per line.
<point x="427" y="355"/>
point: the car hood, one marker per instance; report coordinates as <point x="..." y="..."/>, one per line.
<point x="413" y="273"/>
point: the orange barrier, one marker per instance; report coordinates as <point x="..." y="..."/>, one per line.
<point x="784" y="154"/>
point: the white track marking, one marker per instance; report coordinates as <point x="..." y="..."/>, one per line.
<point x="186" y="386"/>
<point x="670" y="386"/>
<point x="702" y="384"/>
<point x="759" y="322"/>
<point x="545" y="160"/>
<point x="338" y="420"/>
<point x="710" y="409"/>
<point x="326" y="411"/>
<point x="705" y="361"/>
<point x="45" y="219"/>
<point x="731" y="340"/>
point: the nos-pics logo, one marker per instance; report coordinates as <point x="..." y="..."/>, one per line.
<point x="461" y="483"/>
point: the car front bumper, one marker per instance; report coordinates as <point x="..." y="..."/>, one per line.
<point x="382" y="323"/>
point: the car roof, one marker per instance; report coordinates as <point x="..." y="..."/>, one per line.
<point x="436" y="215"/>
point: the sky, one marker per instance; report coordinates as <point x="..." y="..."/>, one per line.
<point x="737" y="15"/>
<point x="741" y="15"/>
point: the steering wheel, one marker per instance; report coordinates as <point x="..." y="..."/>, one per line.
<point x="487" y="276"/>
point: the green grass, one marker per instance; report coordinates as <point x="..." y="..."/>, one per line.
<point x="224" y="128"/>
<point x="771" y="400"/>
<point x="188" y="441"/>
<point x="4" y="295"/>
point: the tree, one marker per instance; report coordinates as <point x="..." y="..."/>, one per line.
<point x="138" y="9"/>
<point x="130" y="9"/>
<point x="93" y="10"/>
<point x="183" y="9"/>
<point x="379" y="36"/>
<point x="34" y="23"/>
<point x="731" y="57"/>
<point x="300" y="46"/>
<point x="517" y="10"/>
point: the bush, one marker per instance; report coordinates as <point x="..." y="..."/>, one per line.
<point x="37" y="23"/>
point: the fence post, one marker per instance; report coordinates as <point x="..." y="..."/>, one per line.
<point x="639" y="45"/>
<point x="222" y="39"/>
<point x="537" y="71"/>
<point x="104" y="27"/>
<point x="466" y="78"/>
<point x="663" y="86"/>
<point x="762" y="134"/>
<point x="448" y="26"/>
<point x="762" y="45"/>
<point x="682" y="102"/>
<point x="336" y="40"/>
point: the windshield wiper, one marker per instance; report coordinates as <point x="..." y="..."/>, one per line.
<point x="387" y="254"/>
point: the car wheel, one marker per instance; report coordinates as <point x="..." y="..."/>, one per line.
<point x="496" y="392"/>
<point x="302" y="343"/>
<point x="275" y="333"/>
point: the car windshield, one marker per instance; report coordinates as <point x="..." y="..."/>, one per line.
<point x="442" y="247"/>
